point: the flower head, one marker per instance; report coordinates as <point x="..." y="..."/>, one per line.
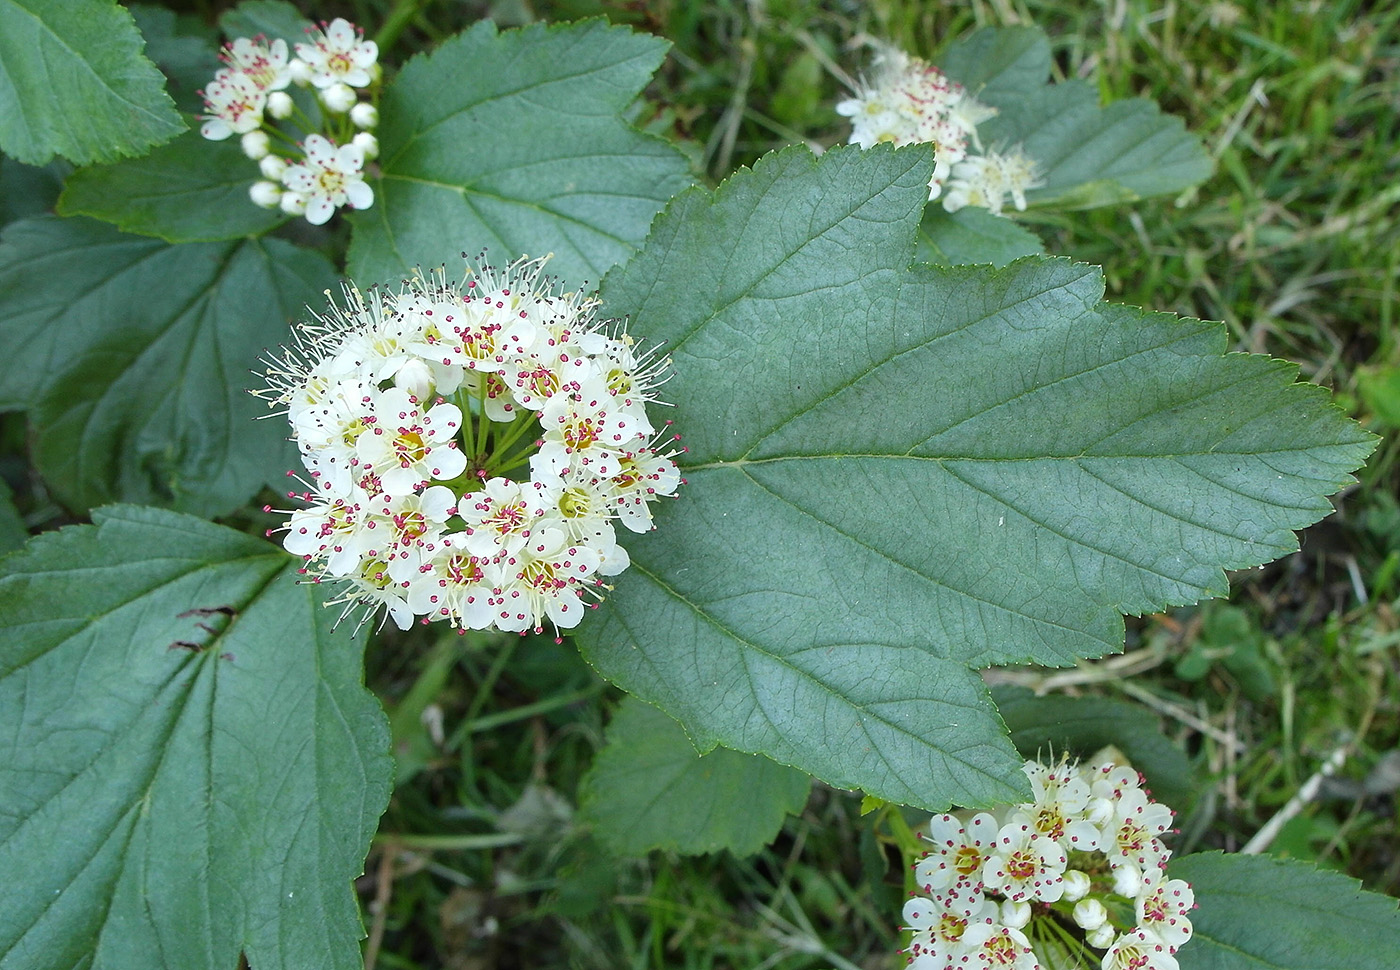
<point x="338" y="54"/>
<point x="419" y="503"/>
<point x="330" y="178"/>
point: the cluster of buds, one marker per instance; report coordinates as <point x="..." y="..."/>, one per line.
<point x="323" y="169"/>
<point x="907" y="101"/>
<point x="469" y="447"/>
<point x="1076" y="877"/>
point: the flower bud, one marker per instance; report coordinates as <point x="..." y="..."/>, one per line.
<point x="300" y="72"/>
<point x="256" y="144"/>
<point x="368" y="144"/>
<point x="364" y="115"/>
<point x="273" y="167"/>
<point x="338" y="98"/>
<point x="266" y="194"/>
<point x="1101" y="938"/>
<point x="293" y="204"/>
<point x="1090" y="914"/>
<point x="1076" y="885"/>
<point x="1127" y="880"/>
<point x="415" y="378"/>
<point x="1015" y="915"/>
<point x="1100" y="811"/>
<point x="279" y="103"/>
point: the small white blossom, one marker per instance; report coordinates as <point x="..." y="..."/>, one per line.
<point x="1138" y="950"/>
<point x="330" y="178"/>
<point x="338" y="54"/>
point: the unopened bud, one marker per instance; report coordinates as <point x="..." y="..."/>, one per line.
<point x="1015" y="915"/>
<point x="1090" y="914"/>
<point x="415" y="378"/>
<point x="300" y="72"/>
<point x="1076" y="885"/>
<point x="256" y="144"/>
<point x="368" y="144"/>
<point x="364" y="115"/>
<point x="1101" y="938"/>
<point x="1127" y="880"/>
<point x="273" y="167"/>
<point x="279" y="104"/>
<point x="338" y="98"/>
<point x="266" y="194"/>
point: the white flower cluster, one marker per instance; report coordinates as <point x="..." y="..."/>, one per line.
<point x="337" y="63"/>
<point x="1083" y="854"/>
<point x="908" y="101"/>
<point x="418" y="413"/>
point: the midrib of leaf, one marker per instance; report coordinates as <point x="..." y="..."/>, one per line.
<point x="805" y="676"/>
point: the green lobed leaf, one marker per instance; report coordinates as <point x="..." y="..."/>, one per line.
<point x="514" y="141"/>
<point x="1266" y="913"/>
<point x="1086" y="155"/>
<point x="650" y="789"/>
<point x="134" y="358"/>
<point x="191" y="190"/>
<point x="973" y="235"/>
<point x="1055" y="723"/>
<point x="176" y="805"/>
<point x="73" y="82"/>
<point x="898" y="473"/>
<point x="29" y="190"/>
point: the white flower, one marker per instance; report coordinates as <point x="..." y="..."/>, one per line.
<point x="406" y="445"/>
<point x="959" y="852"/>
<point x="339" y="54"/>
<point x="545" y="579"/>
<point x="233" y="104"/>
<point x="358" y="389"/>
<point x="1025" y="865"/>
<point x="1130" y="838"/>
<point x="1138" y="950"/>
<point x="1162" y="905"/>
<point x="330" y="178"/>
<point x="907" y="101"/>
<point x="941" y="923"/>
<point x="262" y="63"/>
<point x="1058" y="811"/>
<point x="986" y="180"/>
<point x="293" y="203"/>
<point x="991" y="946"/>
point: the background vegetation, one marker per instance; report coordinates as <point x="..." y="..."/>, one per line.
<point x="1294" y="243"/>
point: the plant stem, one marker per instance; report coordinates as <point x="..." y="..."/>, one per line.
<point x="402" y="12"/>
